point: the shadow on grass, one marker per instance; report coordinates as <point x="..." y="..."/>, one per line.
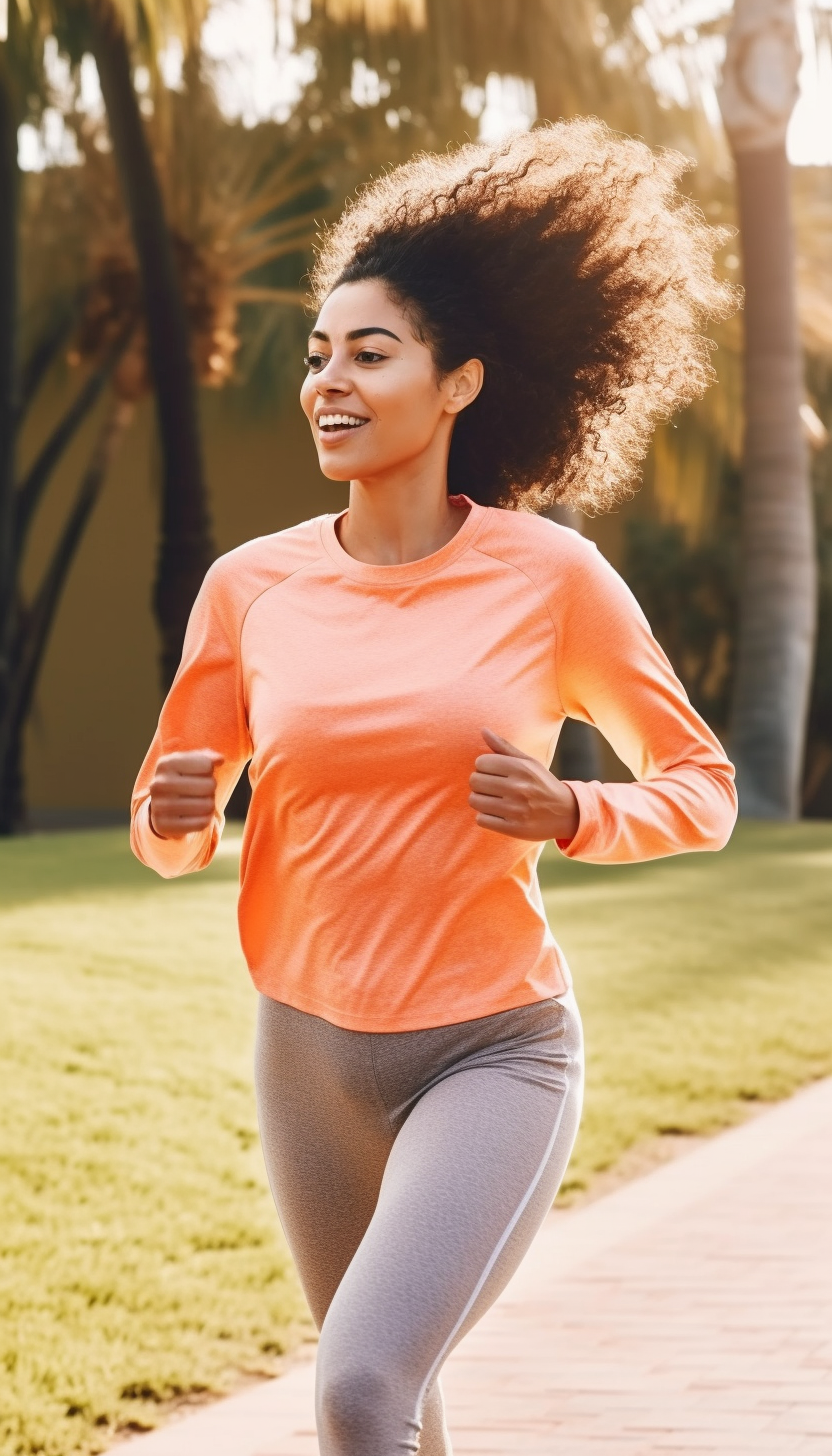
<point x="809" y="841"/>
<point x="55" y="865"/>
<point x="79" y="862"/>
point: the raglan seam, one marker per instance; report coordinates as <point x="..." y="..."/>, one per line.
<point x="244" y="618"/>
<point x="296" y="570"/>
<point x="495" y="556"/>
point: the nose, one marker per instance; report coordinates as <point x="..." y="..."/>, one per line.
<point x="329" y="381"/>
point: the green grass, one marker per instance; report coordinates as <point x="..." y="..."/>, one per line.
<point x="140" y="1259"/>
<point x="140" y="1254"/>
<point x="705" y="983"/>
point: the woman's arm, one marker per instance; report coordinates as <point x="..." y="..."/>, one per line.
<point x="613" y="673"/>
<point x="201" y="743"/>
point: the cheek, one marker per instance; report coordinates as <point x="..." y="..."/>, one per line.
<point x="307" y="396"/>
<point x="410" y="410"/>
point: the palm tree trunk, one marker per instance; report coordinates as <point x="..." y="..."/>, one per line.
<point x="9" y="192"/>
<point x="31" y="489"/>
<point x="778" y="594"/>
<point x="35" y="623"/>
<point x="186" y="548"/>
<point x="779" y="585"/>
<point x="444" y="108"/>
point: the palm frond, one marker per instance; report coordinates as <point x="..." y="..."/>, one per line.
<point x="255" y="249"/>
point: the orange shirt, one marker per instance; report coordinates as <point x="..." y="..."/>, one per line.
<point x="369" y="894"/>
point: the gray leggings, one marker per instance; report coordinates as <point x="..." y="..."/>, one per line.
<point x="411" y="1171"/>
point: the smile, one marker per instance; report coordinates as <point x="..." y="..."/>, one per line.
<point x="333" y="422"/>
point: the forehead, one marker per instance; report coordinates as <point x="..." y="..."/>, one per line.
<point x="361" y="306"/>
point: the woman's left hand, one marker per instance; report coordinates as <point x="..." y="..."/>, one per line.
<point x="514" y="794"/>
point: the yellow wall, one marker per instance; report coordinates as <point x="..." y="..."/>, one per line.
<point x="98" y="695"/>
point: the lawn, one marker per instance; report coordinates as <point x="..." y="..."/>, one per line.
<point x="141" y="1261"/>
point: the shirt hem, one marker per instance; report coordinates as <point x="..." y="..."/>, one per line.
<point x="346" y="1021"/>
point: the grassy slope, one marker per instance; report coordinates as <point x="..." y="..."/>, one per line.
<point x="140" y="1254"/>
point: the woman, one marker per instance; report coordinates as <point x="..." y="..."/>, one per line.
<point x="497" y="331"/>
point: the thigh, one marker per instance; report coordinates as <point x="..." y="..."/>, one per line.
<point x="325" y="1136"/>
<point x="468" y="1181"/>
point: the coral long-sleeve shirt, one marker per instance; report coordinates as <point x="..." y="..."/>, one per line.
<point x="369" y="894"/>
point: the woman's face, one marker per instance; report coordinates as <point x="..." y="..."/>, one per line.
<point x="372" y="395"/>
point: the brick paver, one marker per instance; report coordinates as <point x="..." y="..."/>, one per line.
<point x="687" y="1314"/>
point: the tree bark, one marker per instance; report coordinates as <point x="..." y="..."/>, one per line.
<point x="778" y="596"/>
<point x="35" y="623"/>
<point x="9" y="194"/>
<point x="32" y="487"/>
<point x="186" y="546"/>
<point x="778" y="593"/>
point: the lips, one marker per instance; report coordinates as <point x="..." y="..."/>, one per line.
<point x="339" y="423"/>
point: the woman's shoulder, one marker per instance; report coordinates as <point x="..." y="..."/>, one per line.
<point x="568" y="570"/>
<point x="254" y="566"/>
<point x="537" y="545"/>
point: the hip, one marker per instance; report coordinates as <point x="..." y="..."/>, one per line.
<point x="539" y="1044"/>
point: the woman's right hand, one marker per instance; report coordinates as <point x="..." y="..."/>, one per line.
<point x="183" y="793"/>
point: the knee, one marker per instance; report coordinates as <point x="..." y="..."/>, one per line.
<point x="358" y="1410"/>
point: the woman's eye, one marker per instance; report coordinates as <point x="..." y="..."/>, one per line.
<point x="369" y="356"/>
<point x="314" y="362"/>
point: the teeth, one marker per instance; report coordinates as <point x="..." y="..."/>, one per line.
<point x="334" y="420"/>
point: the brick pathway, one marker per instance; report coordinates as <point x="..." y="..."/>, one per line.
<point x="687" y="1313"/>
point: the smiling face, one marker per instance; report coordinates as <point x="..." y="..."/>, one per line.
<point x="372" y="395"/>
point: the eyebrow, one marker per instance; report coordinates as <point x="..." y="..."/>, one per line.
<point x="355" y="334"/>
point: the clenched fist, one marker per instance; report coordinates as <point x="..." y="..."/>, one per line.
<point x="516" y="795"/>
<point x="183" y="793"/>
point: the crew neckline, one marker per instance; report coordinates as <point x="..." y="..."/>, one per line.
<point x="404" y="571"/>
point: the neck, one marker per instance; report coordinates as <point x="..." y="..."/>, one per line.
<point x="401" y="516"/>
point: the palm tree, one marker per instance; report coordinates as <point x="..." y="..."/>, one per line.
<point x="9" y="185"/>
<point x="19" y="84"/>
<point x="186" y="547"/>
<point x="235" y="207"/>
<point x="779" y="584"/>
<point x="442" y="51"/>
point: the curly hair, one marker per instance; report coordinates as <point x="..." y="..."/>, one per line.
<point x="569" y="263"/>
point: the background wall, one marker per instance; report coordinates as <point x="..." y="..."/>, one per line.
<point x="99" y="698"/>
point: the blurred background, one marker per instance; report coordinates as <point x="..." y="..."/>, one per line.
<point x="165" y="167"/>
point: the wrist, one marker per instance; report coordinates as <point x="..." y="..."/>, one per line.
<point x="569" y="818"/>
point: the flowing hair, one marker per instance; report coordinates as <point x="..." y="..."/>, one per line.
<point x="567" y="260"/>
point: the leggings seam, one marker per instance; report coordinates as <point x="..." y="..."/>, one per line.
<point x="384" y="1107"/>
<point x="490" y="1263"/>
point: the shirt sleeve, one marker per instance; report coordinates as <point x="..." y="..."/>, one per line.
<point x="204" y="709"/>
<point x="613" y="673"/>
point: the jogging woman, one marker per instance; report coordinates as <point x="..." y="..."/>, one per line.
<point x="497" y="330"/>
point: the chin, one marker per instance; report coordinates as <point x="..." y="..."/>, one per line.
<point x="347" y="465"/>
<point x="334" y="470"/>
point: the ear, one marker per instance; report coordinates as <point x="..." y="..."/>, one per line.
<point x="463" y="385"/>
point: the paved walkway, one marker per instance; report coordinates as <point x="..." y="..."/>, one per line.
<point x="688" y="1312"/>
